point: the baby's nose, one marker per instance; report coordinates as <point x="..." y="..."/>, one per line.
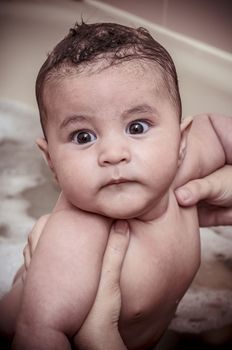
<point x="114" y="153"/>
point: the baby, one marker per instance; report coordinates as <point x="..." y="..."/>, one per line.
<point x="110" y="111"/>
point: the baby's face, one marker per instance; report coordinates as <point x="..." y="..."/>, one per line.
<point x="113" y="140"/>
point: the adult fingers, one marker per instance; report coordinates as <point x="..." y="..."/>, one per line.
<point x="214" y="216"/>
<point x="100" y="329"/>
<point x="36" y="231"/>
<point x="27" y="256"/>
<point x="193" y="192"/>
<point x="114" y="256"/>
<point x="215" y="188"/>
<point x="33" y="239"/>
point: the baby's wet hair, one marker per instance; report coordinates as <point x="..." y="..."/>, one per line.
<point x="111" y="43"/>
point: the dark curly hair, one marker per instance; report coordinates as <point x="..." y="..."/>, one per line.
<point x="86" y="44"/>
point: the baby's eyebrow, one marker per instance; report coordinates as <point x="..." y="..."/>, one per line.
<point x="140" y="109"/>
<point x="71" y="120"/>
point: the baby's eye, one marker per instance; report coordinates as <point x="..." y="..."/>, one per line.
<point x="138" y="127"/>
<point x="83" y="136"/>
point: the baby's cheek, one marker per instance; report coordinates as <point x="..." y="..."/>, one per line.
<point x="78" y="192"/>
<point x="163" y="174"/>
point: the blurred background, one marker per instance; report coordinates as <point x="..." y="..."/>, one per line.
<point x="208" y="21"/>
<point x="198" y="36"/>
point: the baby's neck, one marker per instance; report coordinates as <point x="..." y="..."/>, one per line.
<point x="156" y="209"/>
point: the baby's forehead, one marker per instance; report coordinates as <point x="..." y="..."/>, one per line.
<point x="140" y="70"/>
<point x="105" y="90"/>
<point x="128" y="84"/>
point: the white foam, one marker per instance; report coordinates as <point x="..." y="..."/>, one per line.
<point x="202" y="309"/>
<point x="18" y="121"/>
<point x="11" y="259"/>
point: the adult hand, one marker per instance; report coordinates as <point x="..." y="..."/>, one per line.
<point x="100" y="329"/>
<point x="33" y="239"/>
<point x="213" y="194"/>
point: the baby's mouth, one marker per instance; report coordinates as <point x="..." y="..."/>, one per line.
<point x="117" y="182"/>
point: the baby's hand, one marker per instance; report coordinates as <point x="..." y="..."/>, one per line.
<point x="33" y="239"/>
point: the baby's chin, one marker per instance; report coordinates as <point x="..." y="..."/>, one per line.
<point x="114" y="211"/>
<point x="117" y="214"/>
<point x="123" y="212"/>
<point x="144" y="211"/>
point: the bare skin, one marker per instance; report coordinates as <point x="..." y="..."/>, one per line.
<point x="100" y="329"/>
<point x="214" y="189"/>
<point x="214" y="192"/>
<point x="167" y="309"/>
<point x="164" y="238"/>
<point x="104" y="315"/>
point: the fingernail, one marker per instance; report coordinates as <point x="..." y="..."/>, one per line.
<point x="121" y="226"/>
<point x="184" y="194"/>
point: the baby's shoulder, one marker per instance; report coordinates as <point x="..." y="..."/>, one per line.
<point x="75" y="222"/>
<point x="76" y="215"/>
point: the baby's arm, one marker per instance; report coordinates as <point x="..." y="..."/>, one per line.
<point x="62" y="280"/>
<point x="223" y="128"/>
<point x="208" y="145"/>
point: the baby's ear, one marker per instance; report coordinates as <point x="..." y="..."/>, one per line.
<point x="184" y="127"/>
<point x="43" y="146"/>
